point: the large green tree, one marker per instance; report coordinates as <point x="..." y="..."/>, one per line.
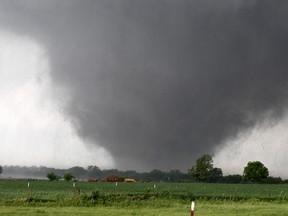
<point x="255" y="171"/>
<point x="202" y="168"/>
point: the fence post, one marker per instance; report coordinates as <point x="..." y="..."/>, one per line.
<point x="192" y="208"/>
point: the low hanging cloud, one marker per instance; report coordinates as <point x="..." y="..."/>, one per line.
<point x="33" y="130"/>
<point x="266" y="142"/>
<point x="158" y="83"/>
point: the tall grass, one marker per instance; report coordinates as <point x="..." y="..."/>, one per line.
<point x="60" y="193"/>
<point x="202" y="208"/>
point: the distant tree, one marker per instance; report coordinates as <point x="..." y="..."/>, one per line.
<point x="52" y="176"/>
<point x="94" y="172"/>
<point x="176" y="176"/>
<point x="78" y="171"/>
<point x="200" y="171"/>
<point x="68" y="177"/>
<point x="215" y="175"/>
<point x="274" y="180"/>
<point x="1" y="169"/>
<point x="255" y="171"/>
<point x="92" y="168"/>
<point x="156" y="175"/>
<point x="130" y="174"/>
<point x="232" y="179"/>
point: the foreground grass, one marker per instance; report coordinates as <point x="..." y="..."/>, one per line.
<point x="62" y="198"/>
<point x="202" y="208"/>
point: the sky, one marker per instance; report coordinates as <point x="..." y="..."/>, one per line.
<point x="145" y="84"/>
<point x="33" y="129"/>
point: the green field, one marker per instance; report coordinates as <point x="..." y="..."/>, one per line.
<point x="62" y="198"/>
<point x="210" y="209"/>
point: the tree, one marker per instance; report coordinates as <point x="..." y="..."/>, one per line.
<point x="274" y="180"/>
<point x="68" y="176"/>
<point x="234" y="179"/>
<point x="52" y="176"/>
<point x="215" y="175"/>
<point x="255" y="171"/>
<point x="156" y="175"/>
<point x="78" y="171"/>
<point x="94" y="172"/>
<point x="201" y="169"/>
<point x="1" y="169"/>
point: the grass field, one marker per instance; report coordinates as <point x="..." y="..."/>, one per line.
<point x="62" y="198"/>
<point x="57" y="190"/>
<point x="206" y="208"/>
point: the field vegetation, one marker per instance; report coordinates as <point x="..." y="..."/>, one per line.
<point x="108" y="193"/>
<point x="106" y="198"/>
<point x="91" y="191"/>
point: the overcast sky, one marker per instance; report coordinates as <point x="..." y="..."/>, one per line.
<point x="144" y="84"/>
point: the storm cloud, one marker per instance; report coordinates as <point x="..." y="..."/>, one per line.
<point x="157" y="83"/>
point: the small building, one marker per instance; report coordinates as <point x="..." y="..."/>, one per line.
<point x="129" y="180"/>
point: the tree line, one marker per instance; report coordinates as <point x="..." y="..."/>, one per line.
<point x="202" y="171"/>
<point x="254" y="172"/>
<point x="94" y="172"/>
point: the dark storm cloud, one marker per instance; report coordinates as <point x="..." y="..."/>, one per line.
<point x="158" y="83"/>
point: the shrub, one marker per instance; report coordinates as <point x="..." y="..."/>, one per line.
<point x="68" y="177"/>
<point x="52" y="176"/>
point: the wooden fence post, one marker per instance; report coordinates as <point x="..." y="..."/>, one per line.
<point x="192" y="208"/>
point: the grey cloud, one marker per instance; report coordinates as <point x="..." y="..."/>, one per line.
<point x="158" y="83"/>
